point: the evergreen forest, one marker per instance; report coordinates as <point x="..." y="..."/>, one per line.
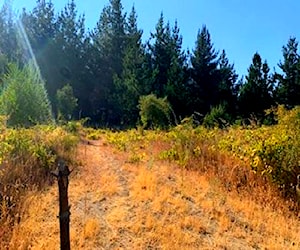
<point x="109" y="74"/>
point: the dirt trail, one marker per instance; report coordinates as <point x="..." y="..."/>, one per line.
<point x="104" y="183"/>
<point x="149" y="204"/>
<point x="134" y="206"/>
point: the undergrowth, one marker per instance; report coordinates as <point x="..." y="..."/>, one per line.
<point x="218" y="193"/>
<point x="252" y="159"/>
<point x="27" y="156"/>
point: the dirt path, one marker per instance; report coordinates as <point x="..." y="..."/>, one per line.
<point x="105" y="198"/>
<point x="149" y="204"/>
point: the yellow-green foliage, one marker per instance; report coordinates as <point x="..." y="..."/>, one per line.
<point x="272" y="151"/>
<point x="133" y="142"/>
<point x="125" y="139"/>
<point x="40" y="144"/>
<point x="26" y="158"/>
<point x="183" y="139"/>
<point x="94" y="134"/>
<point x="268" y="151"/>
<point x="154" y="112"/>
<point x="188" y="142"/>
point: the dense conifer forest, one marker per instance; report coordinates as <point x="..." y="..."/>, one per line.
<point x="105" y="73"/>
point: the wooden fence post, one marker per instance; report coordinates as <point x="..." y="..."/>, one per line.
<point x="64" y="208"/>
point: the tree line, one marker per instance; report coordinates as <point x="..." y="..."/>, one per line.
<point x="104" y="73"/>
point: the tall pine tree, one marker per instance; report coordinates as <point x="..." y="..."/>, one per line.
<point x="108" y="40"/>
<point x="288" y="89"/>
<point x="9" y="48"/>
<point x="255" y="95"/>
<point x="227" y="84"/>
<point x="203" y="85"/>
<point x="177" y="74"/>
<point x="72" y="44"/>
<point x="167" y="64"/>
<point x="40" y="27"/>
<point x="130" y="85"/>
<point x="160" y="56"/>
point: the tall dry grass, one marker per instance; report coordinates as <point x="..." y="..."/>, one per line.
<point x="27" y="156"/>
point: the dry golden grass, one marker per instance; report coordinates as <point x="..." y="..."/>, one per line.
<point x="121" y="204"/>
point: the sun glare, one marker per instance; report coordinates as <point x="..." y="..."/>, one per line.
<point x="28" y="54"/>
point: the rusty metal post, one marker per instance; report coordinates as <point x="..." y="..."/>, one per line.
<point x="64" y="208"/>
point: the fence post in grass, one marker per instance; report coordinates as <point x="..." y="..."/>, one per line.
<point x="64" y="209"/>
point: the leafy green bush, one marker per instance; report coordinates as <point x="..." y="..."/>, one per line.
<point x="183" y="141"/>
<point x="66" y="102"/>
<point x="217" y="117"/>
<point x="40" y="146"/>
<point x="24" y="99"/>
<point x="188" y="143"/>
<point x="155" y="112"/>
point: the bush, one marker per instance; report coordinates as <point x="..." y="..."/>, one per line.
<point x="271" y="151"/>
<point x="66" y="102"/>
<point x="154" y="112"/>
<point x="217" y="117"/>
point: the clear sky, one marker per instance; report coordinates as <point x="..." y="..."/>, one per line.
<point x="241" y="27"/>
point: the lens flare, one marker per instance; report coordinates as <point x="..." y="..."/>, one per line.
<point x="29" y="57"/>
<point x="27" y="49"/>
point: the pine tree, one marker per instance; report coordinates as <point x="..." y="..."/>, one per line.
<point x="40" y="28"/>
<point x="227" y="83"/>
<point x="8" y="33"/>
<point x="177" y="74"/>
<point x="109" y="42"/>
<point x="203" y="85"/>
<point x="130" y="85"/>
<point x="160" y="56"/>
<point x="40" y="24"/>
<point x="288" y="89"/>
<point x="255" y="95"/>
<point x="167" y="64"/>
<point x="72" y="44"/>
<point x="24" y="98"/>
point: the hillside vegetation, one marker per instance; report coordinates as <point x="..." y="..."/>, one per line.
<point x="186" y="188"/>
<point x="27" y="156"/>
<point x="258" y="153"/>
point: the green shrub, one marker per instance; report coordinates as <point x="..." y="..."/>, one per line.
<point x="66" y="102"/>
<point x="27" y="157"/>
<point x="187" y="142"/>
<point x="154" y="112"/>
<point x="217" y="117"/>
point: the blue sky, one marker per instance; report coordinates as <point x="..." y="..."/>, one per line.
<point x="241" y="27"/>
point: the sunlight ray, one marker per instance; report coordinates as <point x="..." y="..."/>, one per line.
<point x="27" y="49"/>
